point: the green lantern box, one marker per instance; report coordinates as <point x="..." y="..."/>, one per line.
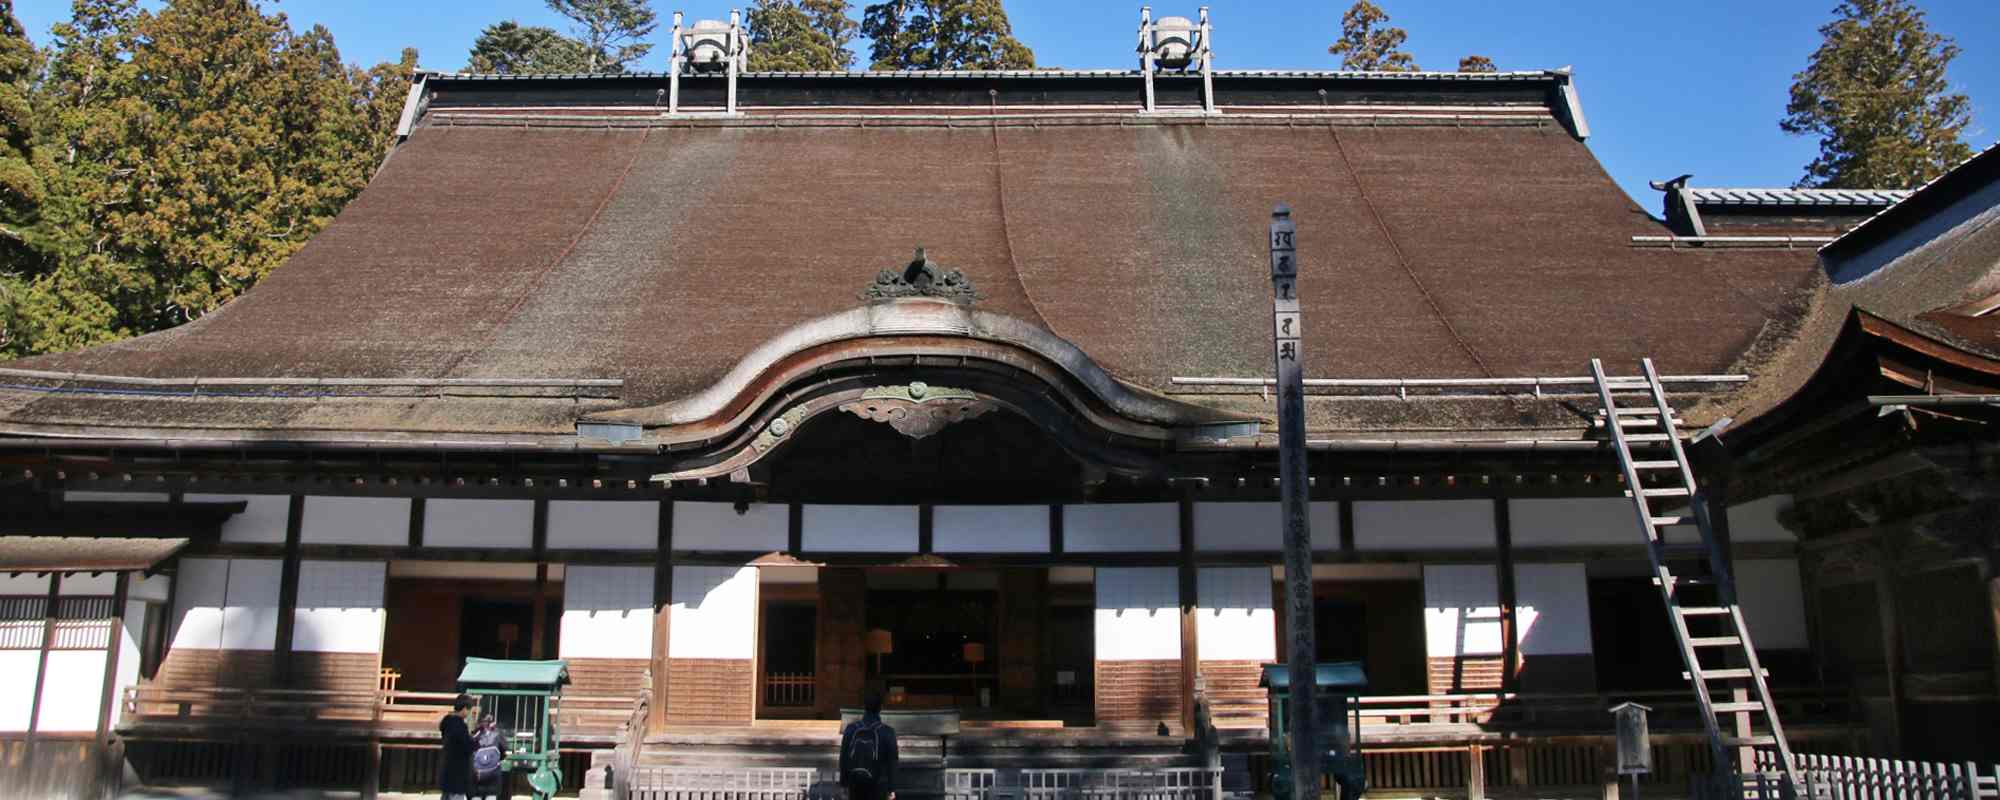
<point x="523" y="697"/>
<point x="1336" y="684"/>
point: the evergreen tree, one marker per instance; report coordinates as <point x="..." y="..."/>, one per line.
<point x="1875" y="94"/>
<point x="23" y="254"/>
<point x="1476" y="64"/>
<point x="611" y="31"/>
<point x="509" y="48"/>
<point x="196" y="149"/>
<point x="943" y="34"/>
<point x="800" y="35"/>
<point x="1366" y="43"/>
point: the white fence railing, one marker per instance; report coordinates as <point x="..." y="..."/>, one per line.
<point x="1854" y="778"/>
<point x="687" y="783"/>
<point x="1170" y="783"/>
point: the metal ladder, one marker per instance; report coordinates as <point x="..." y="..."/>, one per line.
<point x="1650" y="426"/>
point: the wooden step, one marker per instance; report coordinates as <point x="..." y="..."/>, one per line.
<point x="1749" y="741"/>
<point x="1671" y="491"/>
<point x="1688" y="581"/>
<point x="1640" y="438"/>
<point x="1704" y="611"/>
<point x="1714" y="641"/>
<point x="1673" y="519"/>
<point x="1732" y="708"/>
<point x="1726" y="674"/>
<point x="1656" y="464"/>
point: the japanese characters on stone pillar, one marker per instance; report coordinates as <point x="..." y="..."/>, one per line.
<point x="1285" y="331"/>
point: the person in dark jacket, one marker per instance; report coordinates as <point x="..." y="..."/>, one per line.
<point x="868" y="755"/>
<point x="455" y="769"/>
<point x="489" y="754"/>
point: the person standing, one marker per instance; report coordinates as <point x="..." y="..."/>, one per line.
<point x="455" y="768"/>
<point x="489" y="755"/>
<point x="868" y="755"/>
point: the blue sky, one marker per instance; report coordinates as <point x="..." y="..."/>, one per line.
<point x="1690" y="86"/>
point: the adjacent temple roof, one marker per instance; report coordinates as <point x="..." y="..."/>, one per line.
<point x="1815" y="215"/>
<point x="543" y="252"/>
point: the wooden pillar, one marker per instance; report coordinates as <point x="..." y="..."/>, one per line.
<point x="288" y="595"/>
<point x="1475" y="772"/>
<point x="540" y="619"/>
<point x="1993" y="604"/>
<point x="1892" y="648"/>
<point x="1189" y="600"/>
<point x="663" y="603"/>
<point x="926" y="529"/>
<point x="162" y="641"/>
<point x="41" y="674"/>
<point x="121" y="591"/>
<point x="1510" y="645"/>
<point x="1714" y="496"/>
<point x="417" y="507"/>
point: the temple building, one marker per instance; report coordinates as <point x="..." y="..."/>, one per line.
<point x="746" y="393"/>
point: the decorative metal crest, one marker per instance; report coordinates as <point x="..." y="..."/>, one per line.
<point x="918" y="409"/>
<point x="921" y="278"/>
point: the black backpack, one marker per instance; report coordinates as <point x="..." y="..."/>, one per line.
<point x="864" y="752"/>
<point x="486" y="758"/>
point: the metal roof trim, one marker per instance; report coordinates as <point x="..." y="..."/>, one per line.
<point x="1515" y="75"/>
<point x="1766" y="196"/>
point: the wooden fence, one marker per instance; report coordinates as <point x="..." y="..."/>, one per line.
<point x="1853" y="778"/>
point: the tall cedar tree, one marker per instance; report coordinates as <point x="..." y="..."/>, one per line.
<point x="1875" y="95"/>
<point x="800" y="35"/>
<point x="23" y="250"/>
<point x="510" y="48"/>
<point x="196" y="149"/>
<point x="612" y="31"/>
<point x="1366" y="43"/>
<point x="943" y="34"/>
<point x="1476" y="64"/>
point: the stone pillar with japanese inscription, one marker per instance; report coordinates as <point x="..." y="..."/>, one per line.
<point x="1302" y="713"/>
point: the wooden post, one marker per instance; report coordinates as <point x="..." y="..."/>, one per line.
<point x="112" y="650"/>
<point x="41" y="675"/>
<point x="1189" y="599"/>
<point x="1475" y="772"/>
<point x="288" y="595"/>
<point x="417" y="509"/>
<point x="663" y="613"/>
<point x="1286" y="330"/>
<point x="1510" y="645"/>
<point x="539" y="619"/>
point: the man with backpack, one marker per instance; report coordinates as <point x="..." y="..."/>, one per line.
<point x="489" y="754"/>
<point x="868" y="755"/>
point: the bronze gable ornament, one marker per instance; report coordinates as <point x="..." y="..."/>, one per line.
<point x="921" y="278"/>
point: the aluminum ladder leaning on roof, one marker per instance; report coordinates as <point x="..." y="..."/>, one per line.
<point x="1650" y="426"/>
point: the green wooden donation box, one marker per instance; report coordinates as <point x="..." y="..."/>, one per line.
<point x="523" y="697"/>
<point x="1337" y="683"/>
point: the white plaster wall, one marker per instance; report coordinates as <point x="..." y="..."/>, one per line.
<point x="103" y="584"/>
<point x="1259" y="527"/>
<point x="1122" y="527"/>
<point x="1234" y="620"/>
<point x="17" y="673"/>
<point x="1424" y="525"/>
<point x="479" y="523"/>
<point x="115" y="497"/>
<point x="340" y="607"/>
<point x="1773" y="602"/>
<point x="604" y="524"/>
<point x="153" y="588"/>
<point x="1757" y="520"/>
<point x="714" y="614"/>
<point x="1573" y="522"/>
<point x="607" y="612"/>
<point x="262" y="521"/>
<point x="1552" y="609"/>
<point x="761" y="528"/>
<point x="71" y="691"/>
<point x="1138" y="613"/>
<point x="990" y="529"/>
<point x="24" y="584"/>
<point x="1461" y="610"/>
<point x="1359" y="572"/>
<point x="228" y="604"/>
<point x="381" y="521"/>
<point x="859" y="529"/>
